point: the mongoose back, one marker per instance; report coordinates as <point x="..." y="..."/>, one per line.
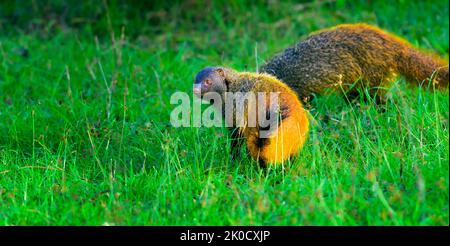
<point x="337" y="57"/>
<point x="292" y="124"/>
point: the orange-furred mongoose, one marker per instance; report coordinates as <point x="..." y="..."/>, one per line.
<point x="292" y="123"/>
<point x="339" y="56"/>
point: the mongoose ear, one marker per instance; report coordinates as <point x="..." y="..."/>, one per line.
<point x="220" y="72"/>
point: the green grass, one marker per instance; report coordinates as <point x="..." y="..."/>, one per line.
<point x="86" y="135"/>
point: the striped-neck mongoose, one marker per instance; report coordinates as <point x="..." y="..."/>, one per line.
<point x="291" y="126"/>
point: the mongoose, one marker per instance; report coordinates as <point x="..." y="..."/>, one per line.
<point x="337" y="57"/>
<point x="292" y="123"/>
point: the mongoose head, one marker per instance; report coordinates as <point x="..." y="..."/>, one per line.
<point x="210" y="79"/>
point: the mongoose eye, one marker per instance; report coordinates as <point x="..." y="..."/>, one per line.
<point x="207" y="82"/>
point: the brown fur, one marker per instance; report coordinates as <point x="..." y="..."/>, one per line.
<point x="338" y="57"/>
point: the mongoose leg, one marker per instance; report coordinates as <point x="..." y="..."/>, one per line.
<point x="379" y="93"/>
<point x="236" y="143"/>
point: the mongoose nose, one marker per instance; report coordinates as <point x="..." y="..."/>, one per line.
<point x="197" y="90"/>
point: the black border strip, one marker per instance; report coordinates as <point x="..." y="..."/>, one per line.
<point x="276" y="234"/>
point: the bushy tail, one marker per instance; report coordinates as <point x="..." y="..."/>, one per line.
<point x="418" y="66"/>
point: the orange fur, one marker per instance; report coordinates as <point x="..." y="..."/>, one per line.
<point x="289" y="137"/>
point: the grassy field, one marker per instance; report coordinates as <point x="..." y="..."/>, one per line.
<point x="86" y="134"/>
